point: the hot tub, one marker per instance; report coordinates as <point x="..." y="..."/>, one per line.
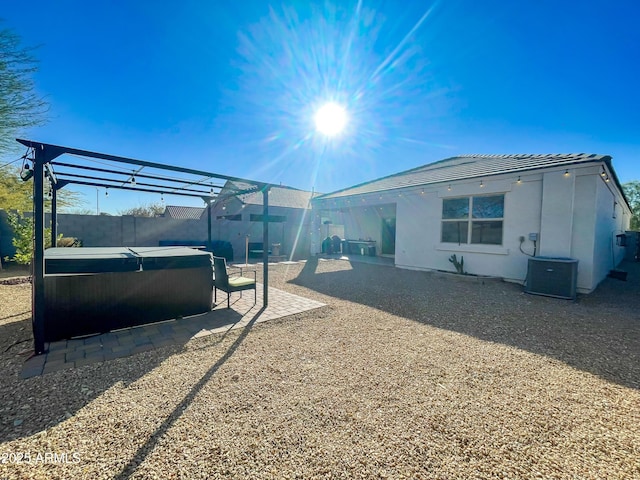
<point x="96" y="290"/>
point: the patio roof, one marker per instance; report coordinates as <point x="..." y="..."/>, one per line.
<point x="82" y="167"/>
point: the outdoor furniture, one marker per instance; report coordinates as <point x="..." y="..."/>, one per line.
<point x="256" y="250"/>
<point x="231" y="284"/>
<point x="359" y="247"/>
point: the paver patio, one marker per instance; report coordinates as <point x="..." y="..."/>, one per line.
<point x="122" y="343"/>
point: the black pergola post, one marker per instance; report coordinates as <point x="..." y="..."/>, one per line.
<point x="54" y="215"/>
<point x="265" y="246"/>
<point x="209" y="223"/>
<point x="37" y="318"/>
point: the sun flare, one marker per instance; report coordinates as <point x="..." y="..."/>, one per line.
<point x="331" y="119"/>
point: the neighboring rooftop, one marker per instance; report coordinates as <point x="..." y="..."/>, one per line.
<point x="279" y="196"/>
<point x="469" y="166"/>
<point x="183" y="213"/>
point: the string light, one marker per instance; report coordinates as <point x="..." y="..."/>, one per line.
<point x="518" y="181"/>
<point x="603" y="173"/>
<point x="566" y="173"/>
<point x="481" y="184"/>
<point x="106" y="191"/>
<point x="449" y="188"/>
<point x="133" y="179"/>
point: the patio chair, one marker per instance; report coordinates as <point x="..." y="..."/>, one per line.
<point x="231" y="284"/>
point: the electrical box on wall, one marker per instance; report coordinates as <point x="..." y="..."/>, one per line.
<point x="533" y="237"/>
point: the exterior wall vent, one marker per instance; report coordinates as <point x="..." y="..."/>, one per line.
<point x="552" y="277"/>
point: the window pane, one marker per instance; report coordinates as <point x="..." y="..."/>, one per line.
<point x="488" y="207"/>
<point x="454" y="232"/>
<point x="254" y="217"/>
<point x="455" y="208"/>
<point x="488" y="233"/>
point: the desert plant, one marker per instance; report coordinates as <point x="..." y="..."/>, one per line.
<point x="459" y="265"/>
<point x="23" y="237"/>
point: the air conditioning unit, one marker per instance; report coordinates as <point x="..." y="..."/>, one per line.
<point x="552" y="277"/>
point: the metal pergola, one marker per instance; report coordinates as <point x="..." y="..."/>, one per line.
<point x="48" y="169"/>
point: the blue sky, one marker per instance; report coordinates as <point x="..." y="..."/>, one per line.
<point x="231" y="87"/>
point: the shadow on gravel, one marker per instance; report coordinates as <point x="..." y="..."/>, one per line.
<point x="598" y="333"/>
<point x="153" y="440"/>
<point x="28" y="406"/>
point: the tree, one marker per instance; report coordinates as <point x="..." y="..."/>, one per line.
<point x="20" y="105"/>
<point x="18" y="195"/>
<point x="14" y="193"/>
<point x="148" y="210"/>
<point x="632" y="192"/>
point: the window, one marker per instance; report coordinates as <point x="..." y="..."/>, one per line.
<point x="233" y="218"/>
<point x="271" y="219"/>
<point x="475" y="220"/>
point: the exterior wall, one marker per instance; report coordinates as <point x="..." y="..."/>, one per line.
<point x="584" y="221"/>
<point x="107" y="231"/>
<point x="556" y="223"/>
<point x="419" y="219"/>
<point x="572" y="215"/>
<point x="607" y="255"/>
<point x="6" y="235"/>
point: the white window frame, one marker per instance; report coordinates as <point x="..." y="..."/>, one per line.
<point x="470" y="219"/>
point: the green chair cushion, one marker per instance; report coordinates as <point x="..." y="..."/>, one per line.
<point x="241" y="281"/>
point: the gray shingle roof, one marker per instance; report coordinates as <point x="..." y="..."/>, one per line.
<point x="279" y="196"/>
<point x="183" y="213"/>
<point x="468" y="166"/>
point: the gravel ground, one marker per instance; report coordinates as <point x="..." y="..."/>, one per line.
<point x="402" y="375"/>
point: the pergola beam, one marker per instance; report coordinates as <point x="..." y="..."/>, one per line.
<point x="167" y="188"/>
<point x="57" y="150"/>
<point x="128" y="174"/>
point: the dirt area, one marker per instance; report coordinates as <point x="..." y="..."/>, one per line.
<point x="402" y="375"/>
<point x="10" y="272"/>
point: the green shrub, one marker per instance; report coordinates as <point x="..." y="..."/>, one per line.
<point x="23" y="237"/>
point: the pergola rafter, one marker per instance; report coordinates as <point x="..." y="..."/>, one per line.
<point x="45" y="163"/>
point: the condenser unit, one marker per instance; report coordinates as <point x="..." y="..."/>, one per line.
<point x="552" y="277"/>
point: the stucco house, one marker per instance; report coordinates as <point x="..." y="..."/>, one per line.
<point x="238" y="215"/>
<point x="494" y="210"/>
